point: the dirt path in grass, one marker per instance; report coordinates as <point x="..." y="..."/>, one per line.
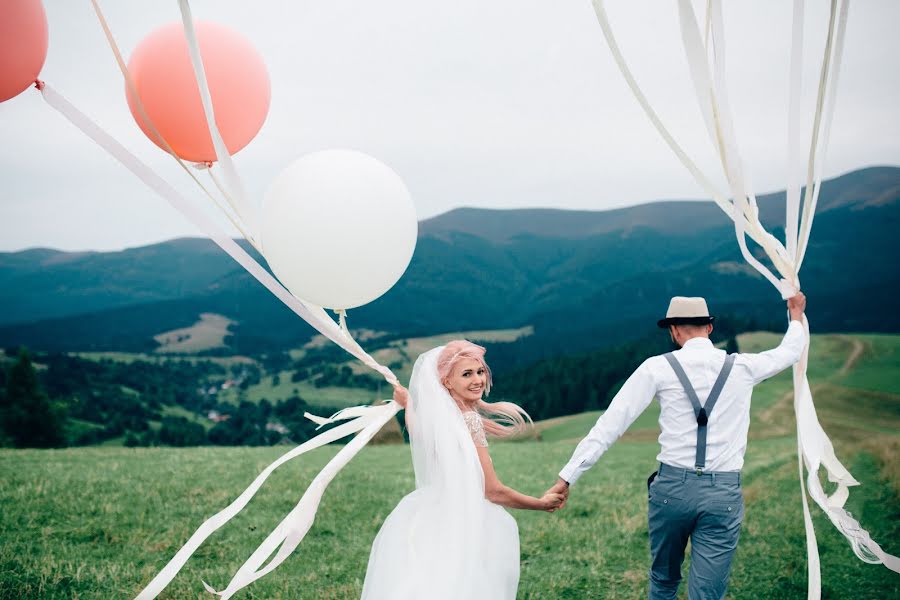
<point x="778" y="418"/>
<point x="855" y="354"/>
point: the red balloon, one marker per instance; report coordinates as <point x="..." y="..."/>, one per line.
<point x="164" y="79"/>
<point x="23" y="45"/>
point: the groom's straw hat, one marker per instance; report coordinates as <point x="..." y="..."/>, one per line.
<point x="686" y="311"/>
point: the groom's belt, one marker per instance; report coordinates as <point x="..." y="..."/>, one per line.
<point x="716" y="476"/>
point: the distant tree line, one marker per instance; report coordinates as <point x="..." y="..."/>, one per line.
<point x="248" y="424"/>
<point x="74" y="401"/>
<point x="322" y="367"/>
<point x="67" y="400"/>
<point x="571" y="384"/>
<point x="122" y="397"/>
<point x="28" y="417"/>
<point x="566" y="385"/>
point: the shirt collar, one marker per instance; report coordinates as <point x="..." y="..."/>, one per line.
<point x="698" y="342"/>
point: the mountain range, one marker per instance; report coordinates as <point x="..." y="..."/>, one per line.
<point x="582" y="279"/>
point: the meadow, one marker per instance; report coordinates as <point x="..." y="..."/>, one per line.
<point x="99" y="522"/>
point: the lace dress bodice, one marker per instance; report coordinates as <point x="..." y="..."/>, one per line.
<point x="476" y="428"/>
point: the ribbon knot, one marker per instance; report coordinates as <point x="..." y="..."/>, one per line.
<point x="788" y="289"/>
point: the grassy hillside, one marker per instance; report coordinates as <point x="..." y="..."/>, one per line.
<point x="100" y="522"/>
<point x="206" y="334"/>
<point x="855" y="380"/>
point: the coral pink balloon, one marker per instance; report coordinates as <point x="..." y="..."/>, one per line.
<point x="164" y="78"/>
<point x="23" y="45"/>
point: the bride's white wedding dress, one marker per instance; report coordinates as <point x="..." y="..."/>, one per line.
<point x="444" y="540"/>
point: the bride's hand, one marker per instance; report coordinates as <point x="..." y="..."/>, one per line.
<point x="552" y="501"/>
<point x="401" y="395"/>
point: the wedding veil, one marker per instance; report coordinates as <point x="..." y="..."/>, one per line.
<point x="443" y="454"/>
<point x="433" y="543"/>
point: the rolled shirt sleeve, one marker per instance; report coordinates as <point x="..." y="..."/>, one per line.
<point x="635" y="396"/>
<point x="771" y="362"/>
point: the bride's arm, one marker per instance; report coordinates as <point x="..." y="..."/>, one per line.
<point x="504" y="495"/>
<point x="401" y="397"/>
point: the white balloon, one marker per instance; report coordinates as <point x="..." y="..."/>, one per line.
<point x="338" y="228"/>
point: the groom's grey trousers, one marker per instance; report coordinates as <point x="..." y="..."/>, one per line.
<point x="708" y="510"/>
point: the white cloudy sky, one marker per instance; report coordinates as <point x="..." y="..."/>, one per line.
<point x="496" y="103"/>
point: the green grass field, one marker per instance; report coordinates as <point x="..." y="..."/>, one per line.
<point x="100" y="522"/>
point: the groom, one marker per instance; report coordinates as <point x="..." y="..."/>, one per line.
<point x="704" y="398"/>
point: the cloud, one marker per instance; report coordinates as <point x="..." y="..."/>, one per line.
<point x="494" y="104"/>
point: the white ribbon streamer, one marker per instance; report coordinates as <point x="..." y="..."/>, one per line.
<point x="814" y="448"/>
<point x="291" y="531"/>
<point x="792" y="191"/>
<point x="129" y="83"/>
<point x="215" y="522"/>
<point x="815" y="173"/>
<point x="314" y="315"/>
<point x="713" y="98"/>
<point x="235" y="189"/>
<point x="342" y="415"/>
<point x="245" y="221"/>
<point x="717" y="196"/>
<point x="368" y="419"/>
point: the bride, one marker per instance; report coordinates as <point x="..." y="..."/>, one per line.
<point x="450" y="538"/>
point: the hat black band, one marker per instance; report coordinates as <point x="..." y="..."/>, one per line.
<point x="665" y="323"/>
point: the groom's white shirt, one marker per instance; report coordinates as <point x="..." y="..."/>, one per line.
<point x="728" y="423"/>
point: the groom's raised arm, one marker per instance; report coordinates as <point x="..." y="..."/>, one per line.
<point x="634" y="397"/>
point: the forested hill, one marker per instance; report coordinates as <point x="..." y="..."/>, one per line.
<point x="583" y="279"/>
<point x="196" y="351"/>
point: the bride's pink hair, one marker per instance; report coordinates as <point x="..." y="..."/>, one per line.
<point x="503" y="419"/>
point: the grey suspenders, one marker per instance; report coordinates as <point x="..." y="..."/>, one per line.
<point x="701" y="412"/>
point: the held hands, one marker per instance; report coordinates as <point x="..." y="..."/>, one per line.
<point x="401" y="395"/>
<point x="560" y="489"/>
<point x="796" y="305"/>
<point x="552" y="501"/>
